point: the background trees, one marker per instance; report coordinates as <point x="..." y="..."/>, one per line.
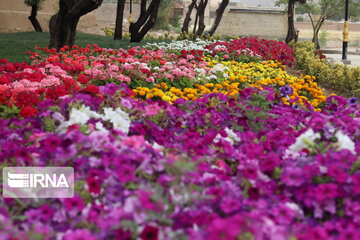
<point x="199" y="25"/>
<point x="35" y="6"/>
<point x="292" y="34"/>
<point x="145" y="21"/>
<point x="119" y="19"/>
<point x="321" y="10"/>
<point x="63" y="25"/>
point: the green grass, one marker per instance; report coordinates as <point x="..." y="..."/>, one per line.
<point x="13" y="46"/>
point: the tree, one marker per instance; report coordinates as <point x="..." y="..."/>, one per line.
<point x="163" y="16"/>
<point x="199" y="24"/>
<point x="219" y="13"/>
<point x="119" y="19"/>
<point x="145" y="21"/>
<point x="35" y="6"/>
<point x="292" y="34"/>
<point x="319" y="11"/>
<point x="63" y="31"/>
<point x="187" y="19"/>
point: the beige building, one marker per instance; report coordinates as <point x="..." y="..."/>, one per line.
<point x="14" y="16"/>
<point x="261" y="22"/>
<point x="237" y="19"/>
<point x="247" y="18"/>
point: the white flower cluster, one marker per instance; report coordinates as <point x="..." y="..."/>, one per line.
<point x="117" y="117"/>
<point x="188" y="45"/>
<point x="344" y="142"/>
<point x="307" y="138"/>
<point x="216" y="70"/>
<point x="231" y="136"/>
<point x="304" y="140"/>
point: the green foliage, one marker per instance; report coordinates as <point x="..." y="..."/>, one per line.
<point x="300" y="19"/>
<point x="8" y="112"/>
<point x="191" y="36"/>
<point x="333" y="76"/>
<point x="109" y="31"/>
<point x="332" y="9"/>
<point x="166" y="18"/>
<point x="162" y="19"/>
<point x="323" y="38"/>
<point x="14" y="45"/>
<point x="321" y="10"/>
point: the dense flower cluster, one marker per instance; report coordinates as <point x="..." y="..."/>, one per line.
<point x="230" y="76"/>
<point x="176" y="143"/>
<point x="183" y="70"/>
<point x="267" y="49"/>
<point x="218" y="168"/>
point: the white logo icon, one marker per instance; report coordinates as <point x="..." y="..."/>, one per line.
<point x="38" y="182"/>
<point x="20" y="180"/>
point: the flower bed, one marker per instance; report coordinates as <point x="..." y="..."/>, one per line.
<point x="53" y="74"/>
<point x="242" y="158"/>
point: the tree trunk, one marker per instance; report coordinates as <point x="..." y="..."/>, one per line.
<point x="145" y="21"/>
<point x="292" y="34"/>
<point x="33" y="19"/>
<point x="219" y="13"/>
<point x="196" y="22"/>
<point x="67" y="20"/>
<point x="52" y="26"/>
<point x="187" y="19"/>
<point x="119" y="20"/>
<point x="201" y="14"/>
<point x="316" y="37"/>
<point x="317" y="28"/>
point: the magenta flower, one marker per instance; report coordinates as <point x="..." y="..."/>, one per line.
<point x="149" y="233"/>
<point x="152" y="109"/>
<point x="292" y="176"/>
<point x="78" y="234"/>
<point x="75" y="204"/>
<point x="223" y="229"/>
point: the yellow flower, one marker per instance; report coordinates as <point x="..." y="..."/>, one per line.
<point x="166" y="98"/>
<point x="281" y="83"/>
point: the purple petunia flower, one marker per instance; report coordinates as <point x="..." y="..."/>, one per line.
<point x="353" y="101"/>
<point x="293" y="176"/>
<point x="286" y="90"/>
<point x="78" y="234"/>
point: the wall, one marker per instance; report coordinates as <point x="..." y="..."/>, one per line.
<point x="14" y="16"/>
<point x="336" y="26"/>
<point x="106" y="14"/>
<point x="254" y="22"/>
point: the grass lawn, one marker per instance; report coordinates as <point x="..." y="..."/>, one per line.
<point x="14" y="45"/>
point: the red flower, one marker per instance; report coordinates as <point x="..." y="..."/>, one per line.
<point x="28" y="111"/>
<point x="82" y="79"/>
<point x="64" y="49"/>
<point x="149" y="233"/>
<point x="94" y="184"/>
<point x="3" y="60"/>
<point x="92" y="89"/>
<point x="26" y="99"/>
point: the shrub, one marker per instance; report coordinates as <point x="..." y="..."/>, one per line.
<point x="335" y="76"/>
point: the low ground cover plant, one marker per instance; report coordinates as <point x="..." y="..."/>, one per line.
<point x="337" y="77"/>
<point x="177" y="143"/>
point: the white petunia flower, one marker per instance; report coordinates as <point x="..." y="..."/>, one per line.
<point x="80" y="115"/>
<point x="232" y="137"/>
<point x="344" y="142"/>
<point x="118" y="118"/>
<point x="301" y="142"/>
<point x="100" y="127"/>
